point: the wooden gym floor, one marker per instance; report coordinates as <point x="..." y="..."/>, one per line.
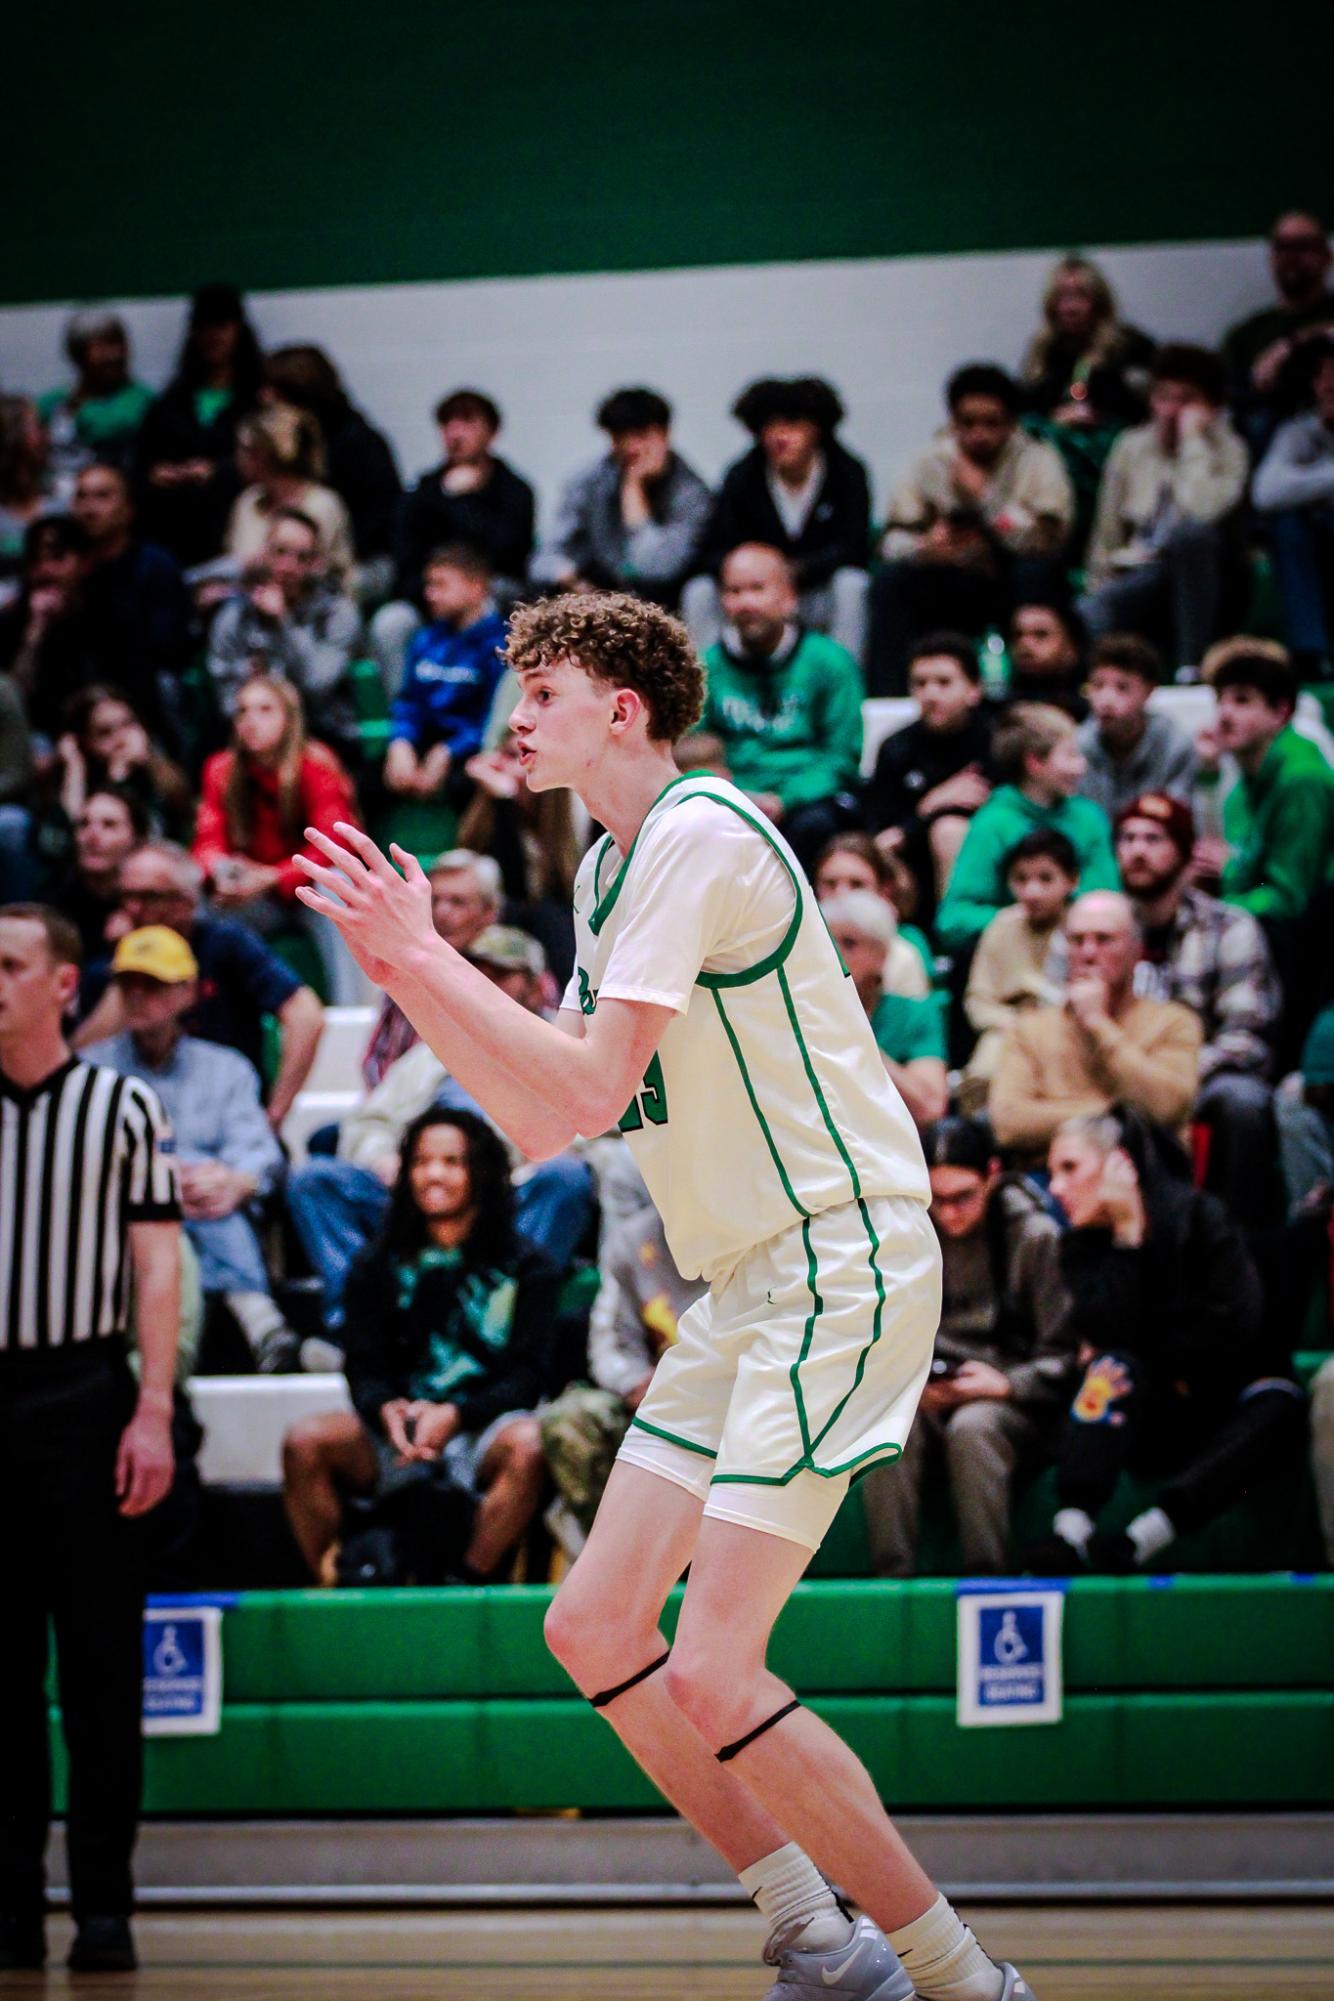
<point x="1204" y="1953"/>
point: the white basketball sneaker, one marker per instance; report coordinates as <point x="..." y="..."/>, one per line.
<point x="1016" y="1988"/>
<point x="865" y="1969"/>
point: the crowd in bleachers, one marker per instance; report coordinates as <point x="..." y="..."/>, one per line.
<point x="1091" y="940"/>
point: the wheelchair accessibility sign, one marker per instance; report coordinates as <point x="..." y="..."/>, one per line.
<point x="182" y="1670"/>
<point x="1009" y="1654"/>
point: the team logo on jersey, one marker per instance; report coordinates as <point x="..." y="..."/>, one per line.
<point x="588" y="1000"/>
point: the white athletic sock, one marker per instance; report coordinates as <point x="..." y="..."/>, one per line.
<point x="790" y="1890"/>
<point x="1072" y="1525"/>
<point x="943" y="1959"/>
<point x="1150" y="1532"/>
<point x="258" y="1315"/>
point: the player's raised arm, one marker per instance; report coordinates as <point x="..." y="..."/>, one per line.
<point x="539" y="1083"/>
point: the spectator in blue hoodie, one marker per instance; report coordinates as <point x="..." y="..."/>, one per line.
<point x="454" y="667"/>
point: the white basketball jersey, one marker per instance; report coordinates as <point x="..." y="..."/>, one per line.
<point x="768" y="1100"/>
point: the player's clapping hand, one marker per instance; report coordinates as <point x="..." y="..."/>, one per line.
<point x="385" y="916"/>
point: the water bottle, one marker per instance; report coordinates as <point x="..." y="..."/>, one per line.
<point x="995" y="664"/>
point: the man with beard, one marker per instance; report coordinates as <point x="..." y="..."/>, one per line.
<point x="1212" y="957"/>
<point x="786" y="703"/>
<point x="1263" y="352"/>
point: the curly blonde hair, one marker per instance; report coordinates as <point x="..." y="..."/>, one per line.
<point x="618" y="639"/>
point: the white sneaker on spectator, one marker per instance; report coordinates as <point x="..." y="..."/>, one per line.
<point x="320" y="1357"/>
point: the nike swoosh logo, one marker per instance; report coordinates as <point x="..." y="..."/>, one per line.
<point x="832" y="1979"/>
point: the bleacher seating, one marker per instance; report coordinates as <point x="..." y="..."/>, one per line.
<point x="1191" y="707"/>
<point x="245" y="1417"/>
<point x="334" y="1084"/>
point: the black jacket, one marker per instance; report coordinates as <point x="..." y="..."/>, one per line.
<point x="837" y="532"/>
<point x="188" y="521"/>
<point x="1115" y="388"/>
<point x="914" y="760"/>
<point x="497" y="520"/>
<point x="360" y="468"/>
<point x="1060" y="691"/>
<point x="389" y="1324"/>
<point x="141" y="612"/>
<point x="1187" y="1302"/>
<point x="75" y="651"/>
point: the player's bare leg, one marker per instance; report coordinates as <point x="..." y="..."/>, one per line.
<point x="740" y="1581"/>
<point x="603" y="1625"/>
<point x="603" y="1628"/>
<point x="799" y="1769"/>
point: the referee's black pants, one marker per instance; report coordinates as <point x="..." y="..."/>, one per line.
<point x="71" y="1561"/>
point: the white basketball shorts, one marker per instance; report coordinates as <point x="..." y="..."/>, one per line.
<point x="798" y="1371"/>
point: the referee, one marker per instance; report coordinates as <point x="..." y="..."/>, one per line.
<point x="88" y="1213"/>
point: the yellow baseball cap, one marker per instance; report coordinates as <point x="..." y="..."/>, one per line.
<point x="157" y="952"/>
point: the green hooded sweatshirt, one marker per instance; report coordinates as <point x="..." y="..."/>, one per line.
<point x="792" y="723"/>
<point x="1279" y="823"/>
<point x="978" y="888"/>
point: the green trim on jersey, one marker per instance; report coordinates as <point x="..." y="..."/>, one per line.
<point x="672" y="1438"/>
<point x="829" y="1125"/>
<point x="602" y="910"/>
<point x="794" y="1373"/>
<point x="789" y="938"/>
<point x="810" y="1445"/>
<point x="774" y="1154"/>
<point x="774" y="963"/>
<point x="607" y="845"/>
<point x="873" y="1453"/>
<point x="860" y="1369"/>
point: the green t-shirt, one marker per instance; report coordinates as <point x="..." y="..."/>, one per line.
<point x="103" y="421"/>
<point x="477" y="1316"/>
<point x="210" y="404"/>
<point x="918" y="940"/>
<point x="906" y="1029"/>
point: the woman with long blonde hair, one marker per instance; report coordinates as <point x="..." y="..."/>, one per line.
<point x="280" y="454"/>
<point x="1085" y="365"/>
<point x="1084" y="378"/>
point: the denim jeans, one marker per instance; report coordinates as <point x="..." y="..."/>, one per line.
<point x="20" y="876"/>
<point x="230" y="1259"/>
<point x="1302" y="539"/>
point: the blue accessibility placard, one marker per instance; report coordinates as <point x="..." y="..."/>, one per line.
<point x="1010" y="1666"/>
<point x="182" y="1670"/>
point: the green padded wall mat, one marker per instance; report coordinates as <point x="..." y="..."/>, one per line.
<point x="1121" y="1633"/>
<point x="1113" y="1752"/>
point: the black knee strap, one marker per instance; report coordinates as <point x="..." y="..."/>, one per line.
<point x="729" y="1751"/>
<point x="610" y="1694"/>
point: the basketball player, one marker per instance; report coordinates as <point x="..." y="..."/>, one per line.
<point x="710" y="1017"/>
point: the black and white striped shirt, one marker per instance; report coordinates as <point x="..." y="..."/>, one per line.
<point x="83" y="1155"/>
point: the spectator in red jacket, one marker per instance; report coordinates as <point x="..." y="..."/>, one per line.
<point x="258" y="799"/>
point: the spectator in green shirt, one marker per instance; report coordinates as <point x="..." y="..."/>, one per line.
<point x="786" y="704"/>
<point x="909" y="1034"/>
<point x="98" y="417"/>
<point x="1036" y="755"/>
<point x="1278" y="819"/>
